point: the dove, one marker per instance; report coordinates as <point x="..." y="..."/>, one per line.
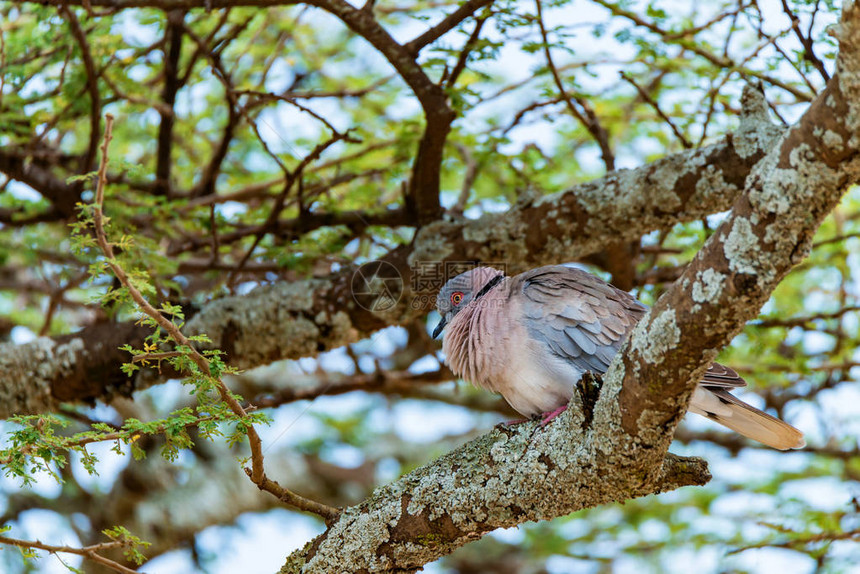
<point x="531" y="337"/>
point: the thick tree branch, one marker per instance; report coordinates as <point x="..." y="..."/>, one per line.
<point x="303" y="318"/>
<point x="21" y="165"/>
<point x="769" y="231"/>
<point x="498" y="480"/>
<point x="81" y="367"/>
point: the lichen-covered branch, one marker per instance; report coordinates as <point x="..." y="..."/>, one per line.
<point x="303" y="318"/>
<point x="83" y="366"/>
<point x="499" y="480"/>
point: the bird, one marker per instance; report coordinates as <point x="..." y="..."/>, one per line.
<point x="531" y="337"/>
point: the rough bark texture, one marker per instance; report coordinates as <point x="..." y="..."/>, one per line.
<point x="499" y="480"/>
<point x="506" y="478"/>
<point x="84" y="366"/>
<point x="291" y="320"/>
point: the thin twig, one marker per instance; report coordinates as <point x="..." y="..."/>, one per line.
<point x="291" y="178"/>
<point x="810" y="539"/>
<point x="718" y="61"/>
<point x="155" y="356"/>
<point x="90" y="552"/>
<point x="92" y="85"/>
<point x="651" y="102"/>
<point x="460" y="66"/>
<point x="806" y="42"/>
<point x="800" y="321"/>
<point x="256" y="472"/>
<point x="587" y="117"/>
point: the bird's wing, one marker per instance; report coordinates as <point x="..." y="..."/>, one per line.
<point x="584" y="320"/>
<point x="580" y="318"/>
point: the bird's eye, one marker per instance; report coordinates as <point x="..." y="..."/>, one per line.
<point x="456" y="298"/>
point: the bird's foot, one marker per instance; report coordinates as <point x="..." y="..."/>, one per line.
<point x="548" y="416"/>
<point x="544" y="418"/>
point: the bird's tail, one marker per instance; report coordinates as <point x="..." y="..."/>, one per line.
<point x="719" y="405"/>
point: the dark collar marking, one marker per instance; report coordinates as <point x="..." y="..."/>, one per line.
<point x="486" y="288"/>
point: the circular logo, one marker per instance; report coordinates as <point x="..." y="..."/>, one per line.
<point x="377" y="286"/>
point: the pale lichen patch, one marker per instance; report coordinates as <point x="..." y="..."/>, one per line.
<point x="355" y="536"/>
<point x="770" y="195"/>
<point x="711" y="178"/>
<point x="741" y="248"/>
<point x="708" y="285"/>
<point x="552" y="198"/>
<point x="811" y="172"/>
<point x="557" y="245"/>
<point x="664" y="337"/>
<point x="342" y="328"/>
<point x="29" y="371"/>
<point x="431" y="244"/>
<point x="756" y="131"/>
<point x="773" y="233"/>
<point x="494" y="232"/>
<point x="65" y="355"/>
<point x="481" y="231"/>
<point x="832" y="140"/>
<point x="666" y="176"/>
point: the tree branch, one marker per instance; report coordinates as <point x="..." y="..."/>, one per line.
<point x="22" y="166"/>
<point x="466" y="10"/>
<point x="172" y="50"/>
<point x="303" y="318"/>
<point x="90" y="552"/>
<point x="92" y="88"/>
<point x="769" y="230"/>
<point x="498" y="480"/>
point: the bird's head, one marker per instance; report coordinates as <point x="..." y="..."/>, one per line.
<point x="459" y="291"/>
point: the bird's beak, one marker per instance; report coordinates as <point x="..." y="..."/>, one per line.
<point x="439" y="327"/>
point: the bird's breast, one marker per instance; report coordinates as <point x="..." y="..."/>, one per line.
<point x="488" y="346"/>
<point x="478" y="342"/>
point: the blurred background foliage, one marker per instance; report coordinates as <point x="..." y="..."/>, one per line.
<point x="255" y="91"/>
